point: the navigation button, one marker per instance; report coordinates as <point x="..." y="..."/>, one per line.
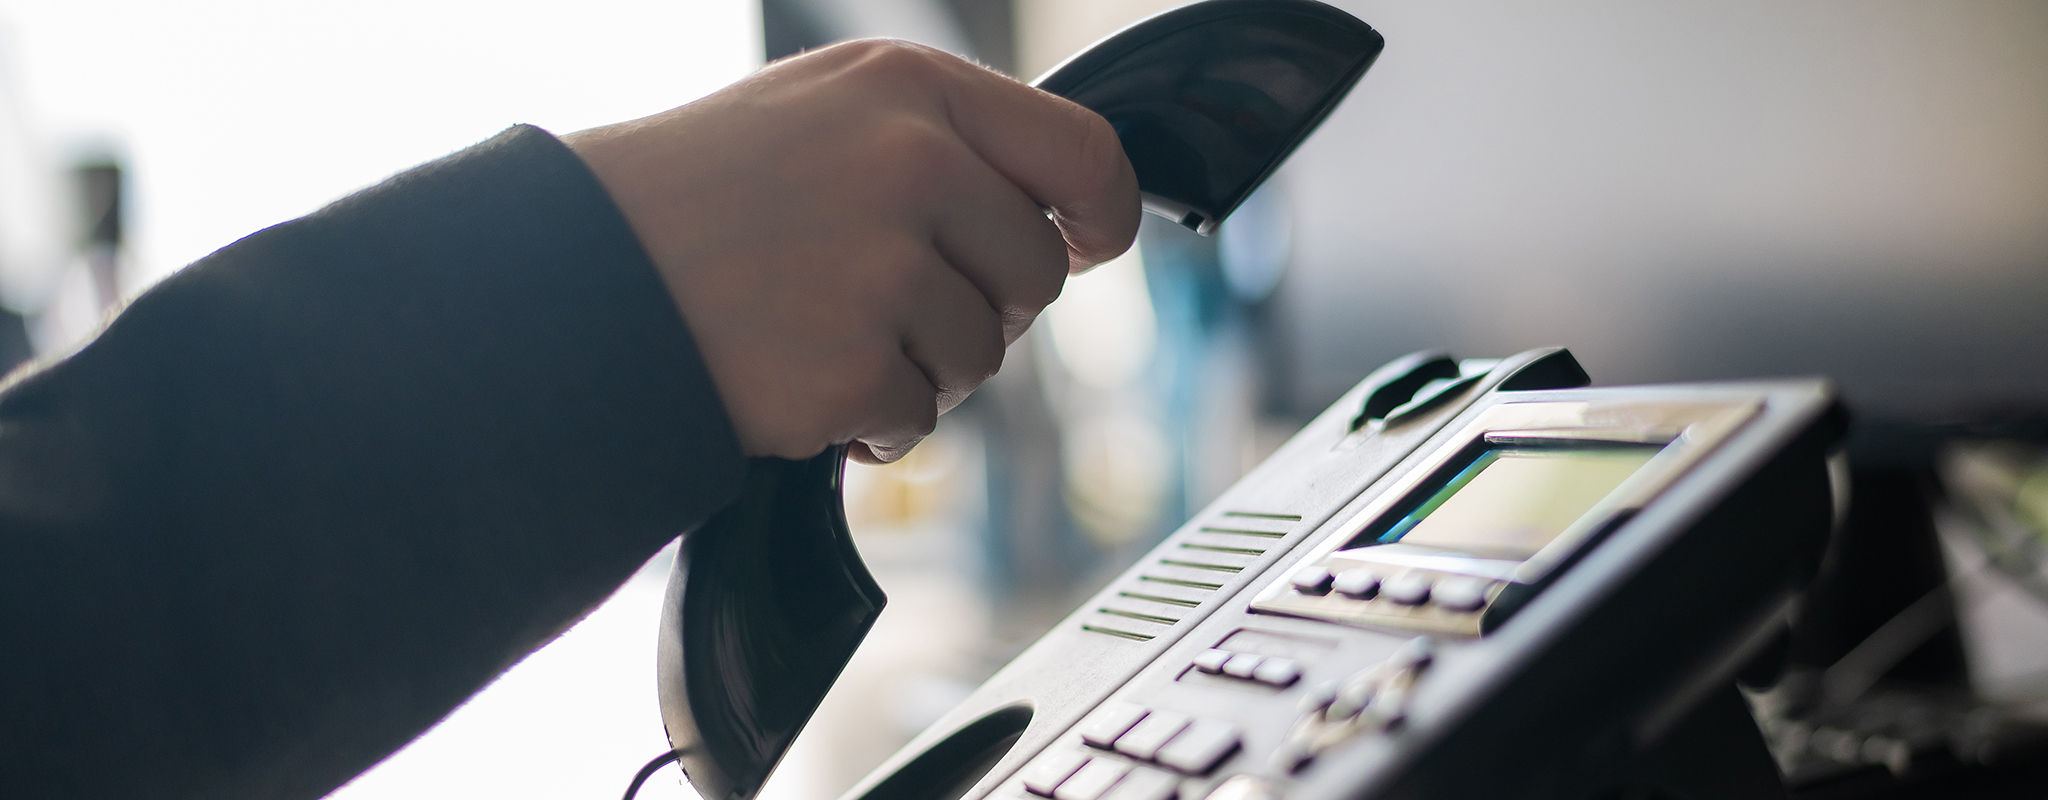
<point x="1413" y="654"/>
<point x="1319" y="697"/>
<point x="1109" y="722"/>
<point x="1407" y="588"/>
<point x="1150" y="734"/>
<point x="1045" y="773"/>
<point x="1211" y="661"/>
<point x="1201" y="747"/>
<point x="1389" y="707"/>
<point x="1350" y="700"/>
<point x="1092" y="781"/>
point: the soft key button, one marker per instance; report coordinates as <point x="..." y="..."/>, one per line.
<point x="1311" y="580"/>
<point x="1092" y="781"/>
<point x="1144" y="740"/>
<point x="1360" y="584"/>
<point x="1201" y="747"/>
<point x="1110" y="722"/>
<point x="1407" y="588"/>
<point x="1045" y="773"/>
<point x="1211" y="661"/>
<point x="1146" y="784"/>
<point x="1460" y="593"/>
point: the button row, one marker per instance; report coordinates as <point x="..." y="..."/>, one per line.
<point x="1269" y="670"/>
<point x="1408" y="588"/>
<point x="1188" y="745"/>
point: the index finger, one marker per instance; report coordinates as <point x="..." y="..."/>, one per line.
<point x="1064" y="156"/>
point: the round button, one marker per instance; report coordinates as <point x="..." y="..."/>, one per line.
<point x="1407" y="588"/>
<point x="1389" y="707"/>
<point x="1358" y="583"/>
<point x="1319" y="697"/>
<point x="1460" y="594"/>
<point x="1413" y="654"/>
<point x="1350" y="700"/>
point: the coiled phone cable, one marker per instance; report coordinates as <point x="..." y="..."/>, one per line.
<point x="646" y="772"/>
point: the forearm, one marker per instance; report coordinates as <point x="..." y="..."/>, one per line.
<point x="303" y="498"/>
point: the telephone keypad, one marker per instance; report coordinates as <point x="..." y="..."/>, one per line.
<point x="1188" y="745"/>
<point x="1200" y="747"/>
<point x="1145" y="783"/>
<point x="1046" y="772"/>
<point x="1143" y="741"/>
<point x="1093" y="780"/>
<point x="1103" y="728"/>
<point x="1244" y="787"/>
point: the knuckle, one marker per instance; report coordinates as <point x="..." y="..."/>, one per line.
<point x="1042" y="285"/>
<point x="896" y="277"/>
<point x="896" y="61"/>
<point x="924" y="416"/>
<point x="1099" y="152"/>
<point x="907" y="157"/>
<point x="987" y="354"/>
<point x="1039" y="276"/>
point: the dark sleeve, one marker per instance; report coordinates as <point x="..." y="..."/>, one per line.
<point x="301" y="499"/>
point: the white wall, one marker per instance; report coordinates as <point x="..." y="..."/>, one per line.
<point x="1690" y="190"/>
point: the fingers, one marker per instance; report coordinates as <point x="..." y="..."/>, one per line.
<point x="1065" y="157"/>
<point x="997" y="238"/>
<point x="904" y="410"/>
<point x="855" y="234"/>
<point x="953" y="337"/>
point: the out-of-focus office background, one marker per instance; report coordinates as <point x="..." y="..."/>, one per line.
<point x="1687" y="190"/>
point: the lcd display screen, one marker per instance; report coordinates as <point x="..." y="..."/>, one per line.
<point x="1509" y="503"/>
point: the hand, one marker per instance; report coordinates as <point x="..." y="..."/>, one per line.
<point x="855" y="235"/>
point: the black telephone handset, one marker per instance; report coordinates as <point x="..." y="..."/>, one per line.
<point x="769" y="599"/>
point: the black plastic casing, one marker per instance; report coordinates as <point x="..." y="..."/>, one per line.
<point x="1621" y="648"/>
<point x="1210" y="98"/>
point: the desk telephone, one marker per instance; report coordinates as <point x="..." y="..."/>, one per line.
<point x="1466" y="578"/>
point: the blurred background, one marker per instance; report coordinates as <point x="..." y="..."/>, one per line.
<point x="1679" y="191"/>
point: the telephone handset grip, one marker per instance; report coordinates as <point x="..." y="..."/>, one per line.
<point x="767" y="603"/>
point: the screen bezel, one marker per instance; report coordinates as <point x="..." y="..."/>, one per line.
<point x="1689" y="430"/>
<point x="1363" y="544"/>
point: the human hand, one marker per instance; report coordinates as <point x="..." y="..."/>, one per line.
<point x="856" y="234"/>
